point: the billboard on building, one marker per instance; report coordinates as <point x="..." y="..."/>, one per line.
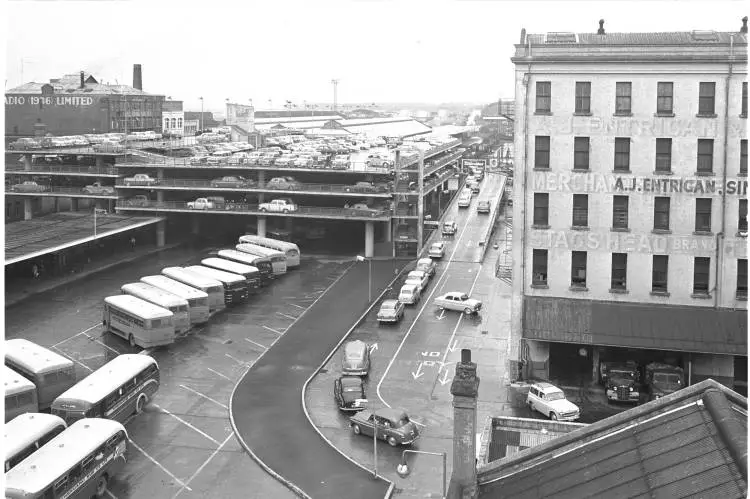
<point x="241" y="115"/>
<point x="453" y="184"/>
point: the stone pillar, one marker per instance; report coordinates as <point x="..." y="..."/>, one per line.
<point x="28" y="209"/>
<point x="161" y="231"/>
<point x="99" y="161"/>
<point x="73" y="204"/>
<point x="195" y="224"/>
<point x="262" y="226"/>
<point x="262" y="195"/>
<point x="465" y="387"/>
<point x="369" y="239"/>
<point x="289" y="223"/>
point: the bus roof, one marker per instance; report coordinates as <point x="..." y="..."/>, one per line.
<point x="15" y="383"/>
<point x="174" y="287"/>
<point x="136" y="306"/>
<point x="153" y="294"/>
<point x="56" y="457"/>
<point x="246" y="258"/>
<point x="254" y="249"/>
<point x="252" y="239"/>
<point x="180" y="274"/>
<point x="34" y="358"/>
<point x="26" y="428"/>
<point x="219" y="275"/>
<point x="230" y="266"/>
<point x="114" y="373"/>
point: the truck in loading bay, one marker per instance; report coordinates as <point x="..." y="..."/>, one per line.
<point x="662" y="379"/>
<point x="621" y="381"/>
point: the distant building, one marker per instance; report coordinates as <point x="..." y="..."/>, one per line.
<point x="173" y="118"/>
<point x="190" y="127"/>
<point x="208" y="119"/>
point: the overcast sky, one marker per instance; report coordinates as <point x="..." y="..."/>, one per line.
<point x="380" y="51"/>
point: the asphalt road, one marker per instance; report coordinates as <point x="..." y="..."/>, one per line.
<point x="183" y="444"/>
<point x="267" y="405"/>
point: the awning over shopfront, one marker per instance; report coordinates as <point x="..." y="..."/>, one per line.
<point x="633" y="325"/>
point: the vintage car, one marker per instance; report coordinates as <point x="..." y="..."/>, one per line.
<point x="198" y="160"/>
<point x="409" y="294"/>
<point x="341" y="161"/>
<point x="231" y="182"/>
<point x="418" y="278"/>
<point x="437" y="250"/>
<point x="98" y="188"/>
<point x="392" y="425"/>
<point x="356" y="358"/>
<point x="483" y="207"/>
<point x="140" y="179"/>
<point x="349" y="393"/>
<point x="29" y="186"/>
<point x="108" y="146"/>
<point x="450" y="228"/>
<point x="378" y="160"/>
<point x="550" y="401"/>
<point x="426" y="265"/>
<point x="288" y="183"/>
<point x="391" y="311"/>
<point x="366" y="187"/>
<point x="24" y="143"/>
<point x="139" y="200"/>
<point x="283" y="205"/>
<point x="455" y="300"/>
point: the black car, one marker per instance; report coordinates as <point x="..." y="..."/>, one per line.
<point x="349" y="393"/>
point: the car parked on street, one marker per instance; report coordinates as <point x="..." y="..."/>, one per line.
<point x="426" y="265"/>
<point x="418" y="278"/>
<point x="437" y="250"/>
<point x="550" y="400"/>
<point x="450" y="228"/>
<point x="391" y="425"/>
<point x="29" y="186"/>
<point x="390" y="311"/>
<point x="458" y="301"/>
<point x="140" y="179"/>
<point x="409" y="294"/>
<point x="98" y="189"/>
<point x="349" y="393"/>
<point x="356" y="358"/>
<point x="483" y="207"/>
<point x="235" y="182"/>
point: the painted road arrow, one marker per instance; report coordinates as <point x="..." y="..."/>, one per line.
<point x="452" y="347"/>
<point x="419" y="372"/>
<point x="445" y="378"/>
<point x="374" y="346"/>
<point x="442" y="315"/>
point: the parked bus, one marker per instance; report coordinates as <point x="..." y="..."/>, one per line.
<point x="20" y="394"/>
<point x="290" y="250"/>
<point x="250" y="273"/>
<point x="263" y="264"/>
<point x="197" y="299"/>
<point x="26" y="433"/>
<point x="78" y="463"/>
<point x="49" y="371"/>
<point x="235" y="286"/>
<point x="138" y="321"/>
<point x="178" y="306"/>
<point x="121" y="387"/>
<point x="278" y="259"/>
<point x="213" y="288"/>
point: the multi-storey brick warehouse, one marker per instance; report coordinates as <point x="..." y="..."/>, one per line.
<point x="630" y="201"/>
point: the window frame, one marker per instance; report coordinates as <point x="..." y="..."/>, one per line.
<point x="657" y="285"/>
<point x="702" y="279"/>
<point x="706" y="156"/>
<point x="619" y="265"/>
<point x="581" y="156"/>
<point x="743" y="156"/>
<point x="742" y="217"/>
<point x="583" y="97"/>
<point x="662" y="155"/>
<point x="543" y="96"/>
<point x="743" y="109"/>
<point x="660" y="203"/>
<point x="582" y="264"/>
<point x="703" y="208"/>
<point x="538" y="208"/>
<point x="540" y="152"/>
<point x="623" y="98"/>
<point x="622" y="156"/>
<point x="741" y="291"/>
<point x="537" y="255"/>
<point x="580" y="210"/>
<point x="662" y="98"/>
<point x="707" y="98"/>
<point x="615" y="224"/>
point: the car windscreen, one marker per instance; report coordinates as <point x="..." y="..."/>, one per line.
<point x="388" y="306"/>
<point x="555" y="396"/>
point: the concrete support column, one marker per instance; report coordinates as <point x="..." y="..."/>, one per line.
<point x="388" y="232"/>
<point x="369" y="239"/>
<point x="160" y="173"/>
<point x="27" y="162"/>
<point x="56" y="202"/>
<point x="73" y="204"/>
<point x="159" y="196"/>
<point x="262" y="195"/>
<point x="195" y="225"/>
<point x="262" y="226"/>
<point x="289" y="223"/>
<point x="595" y="364"/>
<point x="464" y="389"/>
<point x="161" y="232"/>
<point x="28" y="210"/>
<point x="99" y="161"/>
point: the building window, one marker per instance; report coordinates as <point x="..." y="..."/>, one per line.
<point x="742" y="224"/>
<point x="620" y="212"/>
<point x="623" y="97"/>
<point x="578" y="269"/>
<point x="706" y="97"/>
<point x="743" y="156"/>
<point x="179" y="122"/>
<point x="619" y="271"/>
<point x="703" y="215"/>
<point x="700" y="275"/>
<point x="705" y="155"/>
<point x="583" y="97"/>
<point x="581" y="155"/>
<point x="659" y="273"/>
<point x="664" y="155"/>
<point x="622" y="154"/>
<point x="539" y="268"/>
<point x="742" y="278"/>
<point x="541" y="209"/>
<point x="580" y="210"/>
<point x="744" y="100"/>
<point x="661" y="213"/>
<point x="543" y="96"/>
<point x="541" y="151"/>
<point x="664" y="97"/>
<point x="166" y="123"/>
<point x="174" y="122"/>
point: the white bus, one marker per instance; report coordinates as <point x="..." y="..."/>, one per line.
<point x="213" y="288"/>
<point x="138" y="321"/>
<point x="235" y="285"/>
<point x="262" y="263"/>
<point x="197" y="299"/>
<point x="178" y="306"/>
<point x="121" y="387"/>
<point x="278" y="258"/>
<point x="20" y="394"/>
<point x="252" y="274"/>
<point x="78" y="463"/>
<point x="24" y="434"/>
<point x="290" y="250"/>
<point x="49" y="371"/>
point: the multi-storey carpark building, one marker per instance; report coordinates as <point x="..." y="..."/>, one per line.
<point x="630" y="201"/>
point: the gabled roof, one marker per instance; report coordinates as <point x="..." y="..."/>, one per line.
<point x="692" y="443"/>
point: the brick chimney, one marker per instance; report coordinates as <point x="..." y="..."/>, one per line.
<point x="465" y="386"/>
<point x="600" y="31"/>
<point x="83" y="82"/>
<point x="137" y="77"/>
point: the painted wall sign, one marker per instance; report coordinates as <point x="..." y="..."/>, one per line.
<point x="595" y="182"/>
<point x="242" y="116"/>
<point x="50" y="100"/>
<point x="631" y="127"/>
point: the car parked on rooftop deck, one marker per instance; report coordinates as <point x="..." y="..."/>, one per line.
<point x="349" y="393"/>
<point x="458" y="301"/>
<point x="356" y="358"/>
<point x="391" y="425"/>
<point x="378" y="160"/>
<point x="287" y="183"/>
<point x="198" y="160"/>
<point x="390" y="311"/>
<point x="550" y="401"/>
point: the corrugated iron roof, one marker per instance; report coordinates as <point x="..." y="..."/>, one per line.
<point x="656" y="38"/>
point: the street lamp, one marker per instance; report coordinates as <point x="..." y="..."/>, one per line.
<point x="369" y="276"/>
<point x="403" y="468"/>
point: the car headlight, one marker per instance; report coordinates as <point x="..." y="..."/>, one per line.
<point x="631" y="388"/>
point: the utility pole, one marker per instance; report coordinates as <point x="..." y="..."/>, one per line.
<point x="335" y="93"/>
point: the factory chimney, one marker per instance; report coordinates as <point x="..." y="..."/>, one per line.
<point x="137" y="77"/>
<point x="464" y="389"/>
<point x="83" y="83"/>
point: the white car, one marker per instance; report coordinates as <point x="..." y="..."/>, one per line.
<point x="409" y="294"/>
<point x="550" y="401"/>
<point x="437" y="250"/>
<point x="426" y="265"/>
<point x="141" y="179"/>
<point x="458" y="301"/>
<point x="418" y="278"/>
<point x="200" y="204"/>
<point x="279" y="206"/>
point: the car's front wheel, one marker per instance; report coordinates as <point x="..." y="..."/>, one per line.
<point x="392" y="441"/>
<point x="356" y="429"/>
<point x="467" y="311"/>
<point x="553" y="416"/>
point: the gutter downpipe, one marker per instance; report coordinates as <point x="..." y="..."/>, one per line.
<point x="526" y="81"/>
<point x="721" y="236"/>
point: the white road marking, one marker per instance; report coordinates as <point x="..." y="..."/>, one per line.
<point x="74" y="360"/>
<point x="273" y="330"/>
<point x="453" y="335"/>
<point x="219" y="374"/>
<point x="110" y="494"/>
<point x="298" y="306"/>
<point x="256" y="343"/>
<point x="178" y="418"/>
<point x="205" y="463"/>
<point x="204" y="396"/>
<point x="102" y="344"/>
<point x="165" y="470"/>
<point x="287" y="316"/>
<point x="236" y="359"/>
<point x="71" y="337"/>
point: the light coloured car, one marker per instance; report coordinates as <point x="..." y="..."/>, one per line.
<point x="391" y="311"/>
<point x="285" y="160"/>
<point x="418" y="278"/>
<point x="450" y="228"/>
<point x="378" y="160"/>
<point x="458" y="301"/>
<point x="437" y="250"/>
<point x="550" y="401"/>
<point x="98" y="189"/>
<point x="464" y="199"/>
<point x="279" y="206"/>
<point x="391" y="425"/>
<point x="140" y="179"/>
<point x="356" y="358"/>
<point x="483" y="207"/>
<point x="426" y="265"/>
<point x="29" y="186"/>
<point x="288" y="183"/>
<point x="201" y="204"/>
<point x="409" y="294"/>
<point x="24" y="143"/>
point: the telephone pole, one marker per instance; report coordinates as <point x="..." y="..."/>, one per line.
<point x="335" y="93"/>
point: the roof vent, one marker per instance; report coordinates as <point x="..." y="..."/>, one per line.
<point x="600" y="31"/>
<point x="705" y="36"/>
<point x="560" y="38"/>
